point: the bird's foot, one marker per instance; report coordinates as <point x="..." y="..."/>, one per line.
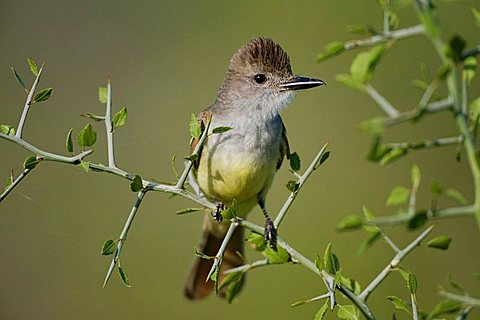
<point x="270" y="234"/>
<point x="217" y="214"/>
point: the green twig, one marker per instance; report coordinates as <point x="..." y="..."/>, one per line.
<point x="14" y="184"/>
<point x="300" y="182"/>
<point x="221" y="251"/>
<point x="123" y="235"/>
<point x="393" y="264"/>
<point x="27" y="106"/>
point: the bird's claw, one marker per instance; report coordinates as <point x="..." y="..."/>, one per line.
<point x="270" y="234"/>
<point x="217" y="214"/>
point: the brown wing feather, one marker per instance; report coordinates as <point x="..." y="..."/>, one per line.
<point x="284" y="147"/>
<point x="203" y="117"/>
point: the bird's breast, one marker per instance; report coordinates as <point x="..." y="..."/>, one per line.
<point x="240" y="163"/>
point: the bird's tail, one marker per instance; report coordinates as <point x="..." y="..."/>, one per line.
<point x="197" y="286"/>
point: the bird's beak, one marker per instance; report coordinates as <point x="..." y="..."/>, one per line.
<point x="300" y="83"/>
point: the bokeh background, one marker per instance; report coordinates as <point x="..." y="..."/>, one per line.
<point x="166" y="60"/>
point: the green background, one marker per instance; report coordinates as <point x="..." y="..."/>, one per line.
<point x="166" y="60"/>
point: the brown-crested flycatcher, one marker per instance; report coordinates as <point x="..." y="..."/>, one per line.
<point x="241" y="163"/>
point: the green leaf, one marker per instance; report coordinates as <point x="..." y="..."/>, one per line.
<point x="393" y="155"/>
<point x="393" y="20"/>
<point x="351" y="284"/>
<point x="120" y="118"/>
<point x="188" y="210"/>
<point x="469" y="68"/>
<point x="357" y="29"/>
<point x="373" y="235"/>
<point x="195" y="129"/>
<point x="456" y="195"/>
<point x="276" y="257"/>
<point x="93" y="116"/>
<point x="349" y="81"/>
<point x="292" y="186"/>
<point x="202" y="255"/>
<point x="294" y="162"/>
<point x="418" y="220"/>
<point x="31" y="162"/>
<point x="234" y="283"/>
<point x="233" y="290"/>
<point x="412" y="283"/>
<point x="7" y="129"/>
<point x="323" y="158"/>
<point x="9" y="180"/>
<point x="318" y="262"/>
<point x="19" y="79"/>
<point x="124" y="276"/>
<point x="398" y="196"/>
<point x="444" y="307"/>
<point x="193" y="157"/>
<point x="68" y="141"/>
<point x="33" y="66"/>
<point x="221" y="129"/>
<point x="256" y="241"/>
<point x="373" y="126"/>
<point x="42" y="95"/>
<point x="436" y="188"/>
<point x="440" y="242"/>
<point x="331" y="50"/>
<point x="231" y="211"/>
<point x="350" y="222"/>
<point x="84" y="166"/>
<point x="476" y="15"/>
<point x="474" y="109"/>
<point x="230" y="278"/>
<point x="455" y="47"/>
<point x="102" y="95"/>
<point x="367" y="213"/>
<point x="416" y="176"/>
<point x="398" y="303"/>
<point x="455" y="284"/>
<point x="109" y="247"/>
<point x="364" y="63"/>
<point x="214" y="277"/>
<point x="87" y="137"/>
<point x="330" y="260"/>
<point x="322" y="311"/>
<point x="136" y="184"/>
<point x="347" y="312"/>
<point x="420" y="84"/>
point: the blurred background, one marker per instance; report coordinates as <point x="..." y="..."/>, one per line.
<point x="166" y="60"/>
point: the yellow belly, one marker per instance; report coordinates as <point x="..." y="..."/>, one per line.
<point x="227" y="177"/>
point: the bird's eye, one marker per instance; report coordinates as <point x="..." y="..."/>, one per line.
<point x="260" y="78"/>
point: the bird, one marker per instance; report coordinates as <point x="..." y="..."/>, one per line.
<point x="240" y="164"/>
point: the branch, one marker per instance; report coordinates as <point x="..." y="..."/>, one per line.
<point x="123" y="235"/>
<point x="381" y="101"/>
<point x="188" y="167"/>
<point x="393" y="264"/>
<point x="219" y="256"/>
<point x="310" y="265"/>
<point x="109" y="127"/>
<point x="382" y="38"/>
<point x="434" y="214"/>
<point x="249" y="266"/>
<point x="300" y="182"/>
<point x="14" y="183"/>
<point x="28" y="104"/>
<point x="433" y="107"/>
<point x="460" y="298"/>
<point x="425" y="144"/>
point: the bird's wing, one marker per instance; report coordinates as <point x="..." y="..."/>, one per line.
<point x="202" y="118"/>
<point x="284" y="147"/>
